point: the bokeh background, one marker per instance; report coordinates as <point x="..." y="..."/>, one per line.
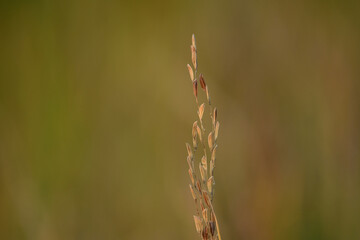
<point x="96" y="105"/>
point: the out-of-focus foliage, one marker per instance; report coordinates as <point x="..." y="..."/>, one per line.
<point x="96" y="104"/>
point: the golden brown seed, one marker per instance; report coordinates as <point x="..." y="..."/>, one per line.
<point x="191" y="72"/>
<point x="191" y="177"/>
<point x="206" y="198"/>
<point x="213" y="153"/>
<point x="192" y="192"/>
<point x="202" y="81"/>
<point x="190" y="163"/>
<point x="214" y="116"/>
<point x="217" y="130"/>
<point x="198" y="223"/>
<point x="207" y="95"/>
<point x="212" y="166"/>
<point x="199" y="133"/>
<point x="210" y="183"/>
<point x="201" y="111"/>
<point x="212" y="228"/>
<point x="205" y="234"/>
<point x="193" y="57"/>
<point x="204" y="162"/>
<point x="205" y="215"/>
<point x="194" y="135"/>
<point x="189" y="151"/>
<point x="198" y="186"/>
<point x="211" y="140"/>
<point x="202" y="206"/>
<point x="195" y="88"/>
<point x="195" y="145"/>
<point x="194" y="127"/>
<point x="202" y="172"/>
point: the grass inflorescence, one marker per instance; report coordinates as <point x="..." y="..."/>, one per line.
<point x="202" y="179"/>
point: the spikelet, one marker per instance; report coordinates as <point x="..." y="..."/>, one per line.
<point x="207" y="95"/>
<point x="210" y="183"/>
<point x="206" y="198"/>
<point x="211" y="140"/>
<point x="195" y="89"/>
<point x="193" y="56"/>
<point x="212" y="228"/>
<point x="213" y="153"/>
<point x="190" y="163"/>
<point x="204" y="233"/>
<point x="191" y="72"/>
<point x="195" y="142"/>
<point x="198" y="130"/>
<point x="191" y="176"/>
<point x="212" y="166"/>
<point x="202" y="206"/>
<point x="214" y="116"/>
<point x="192" y="192"/>
<point x="194" y="135"/>
<point x="202" y="172"/>
<point x="198" y="185"/>
<point x="194" y="128"/>
<point x="193" y="40"/>
<point x="205" y="215"/>
<point x="201" y="111"/>
<point x="204" y="162"/>
<point x="198" y="223"/>
<point x="202" y="82"/>
<point x="189" y="151"/>
<point x="217" y="130"/>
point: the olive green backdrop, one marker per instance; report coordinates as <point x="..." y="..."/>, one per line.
<point x="96" y="105"/>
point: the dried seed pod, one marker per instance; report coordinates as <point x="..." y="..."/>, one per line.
<point x="214" y="117"/>
<point x="213" y="153"/>
<point x="210" y="183"/>
<point x="194" y="128"/>
<point x="199" y="132"/>
<point x="202" y="82"/>
<point x="194" y="140"/>
<point x="192" y="192"/>
<point x="198" y="223"/>
<point x="212" y="228"/>
<point x="211" y="140"/>
<point x="206" y="198"/>
<point x="193" y="40"/>
<point x="212" y="166"/>
<point x="204" y="162"/>
<point x="201" y="111"/>
<point x="195" y="88"/>
<point x="207" y="95"/>
<point x="205" y="215"/>
<point x="193" y="56"/>
<point x="205" y="234"/>
<point x="217" y="130"/>
<point x="202" y="206"/>
<point x="202" y="172"/>
<point x="189" y="151"/>
<point x="194" y="135"/>
<point x="191" y="176"/>
<point x="191" y="72"/>
<point x="198" y="185"/>
<point x="190" y="163"/>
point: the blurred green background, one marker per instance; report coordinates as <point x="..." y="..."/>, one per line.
<point x="96" y="105"/>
